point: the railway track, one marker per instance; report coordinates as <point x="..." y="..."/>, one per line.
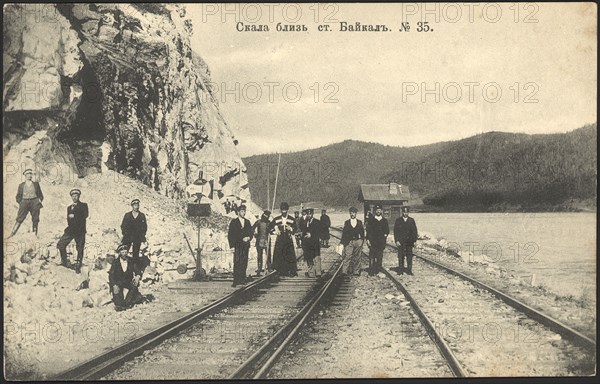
<point x="481" y="331"/>
<point x="362" y="332"/>
<point x="443" y="324"/>
<point x="238" y="336"/>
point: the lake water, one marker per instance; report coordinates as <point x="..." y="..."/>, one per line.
<point x="559" y="248"/>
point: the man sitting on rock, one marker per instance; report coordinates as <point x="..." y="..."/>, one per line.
<point x="124" y="279"/>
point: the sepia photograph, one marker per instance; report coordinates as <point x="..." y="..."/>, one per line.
<point x="244" y="191"/>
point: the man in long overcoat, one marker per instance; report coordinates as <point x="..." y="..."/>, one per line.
<point x="326" y="223"/>
<point x="377" y="231"/>
<point x="239" y="236"/>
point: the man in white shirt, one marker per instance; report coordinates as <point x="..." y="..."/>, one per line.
<point x="353" y="236"/>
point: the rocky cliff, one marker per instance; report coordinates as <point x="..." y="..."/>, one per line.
<point x="90" y="87"/>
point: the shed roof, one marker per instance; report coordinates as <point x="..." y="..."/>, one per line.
<point x="384" y="192"/>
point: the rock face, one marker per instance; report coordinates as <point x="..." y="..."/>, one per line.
<point x="114" y="86"/>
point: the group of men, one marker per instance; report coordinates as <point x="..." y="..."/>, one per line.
<point x="325" y="223"/>
<point x="310" y="233"/>
<point x="377" y="230"/>
<point x="405" y="236"/>
<point x="285" y="228"/>
<point x="125" y="272"/>
<point x="230" y="206"/>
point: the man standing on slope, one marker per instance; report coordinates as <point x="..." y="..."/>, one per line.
<point x="77" y="214"/>
<point x="134" y="227"/>
<point x="29" y="198"/>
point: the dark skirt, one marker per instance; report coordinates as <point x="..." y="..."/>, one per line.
<point x="284" y="256"/>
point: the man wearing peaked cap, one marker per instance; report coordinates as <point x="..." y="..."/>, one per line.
<point x="122" y="247"/>
<point x="405" y="236"/>
<point x="134" y="227"/>
<point x="377" y="232"/>
<point x="29" y="198"/>
<point x="77" y="214"/>
<point x="260" y="229"/>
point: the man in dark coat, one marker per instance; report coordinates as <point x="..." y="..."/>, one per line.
<point x="284" y="254"/>
<point x="353" y="236"/>
<point x="239" y="236"/>
<point x="77" y="214"/>
<point x="405" y="236"/>
<point x="311" y="247"/>
<point x="29" y="198"/>
<point x="124" y="279"/>
<point x="377" y="231"/>
<point x="326" y="223"/>
<point x="134" y="227"/>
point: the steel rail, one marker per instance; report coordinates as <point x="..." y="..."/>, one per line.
<point x="107" y="362"/>
<point x="455" y="366"/>
<point x="288" y="332"/>
<point x="555" y="325"/>
<point x="564" y="330"/>
<point x="451" y="359"/>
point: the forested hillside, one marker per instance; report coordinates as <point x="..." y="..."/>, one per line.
<point x="490" y="171"/>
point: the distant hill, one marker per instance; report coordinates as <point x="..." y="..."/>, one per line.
<point x="490" y="171"/>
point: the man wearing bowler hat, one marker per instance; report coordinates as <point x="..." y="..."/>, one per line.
<point x="239" y="236"/>
<point x="134" y="227"/>
<point x="29" y="198"/>
<point x="77" y="213"/>
<point x="377" y="231"/>
<point x="311" y="247"/>
<point x="405" y="236"/>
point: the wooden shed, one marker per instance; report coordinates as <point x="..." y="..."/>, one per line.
<point x="392" y="198"/>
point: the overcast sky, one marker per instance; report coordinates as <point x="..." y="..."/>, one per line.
<point x="375" y="81"/>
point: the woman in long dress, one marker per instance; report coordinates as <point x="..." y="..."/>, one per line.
<point x="284" y="254"/>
